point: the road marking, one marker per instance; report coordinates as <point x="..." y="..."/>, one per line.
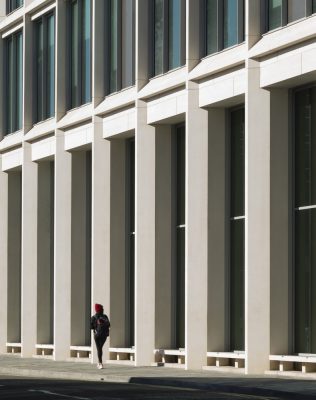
<point x="59" y="394"/>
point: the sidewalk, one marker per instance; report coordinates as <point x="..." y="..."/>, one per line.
<point x="266" y="385"/>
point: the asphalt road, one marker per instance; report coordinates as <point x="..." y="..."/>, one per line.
<point x="15" y="388"/>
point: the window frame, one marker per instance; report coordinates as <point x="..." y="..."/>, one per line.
<point x="119" y="35"/>
<point x="13" y="125"/>
<point x="11" y="6"/>
<point x="165" y="52"/>
<point x="79" y="98"/>
<point x="220" y="26"/>
<point x="45" y="82"/>
<point x="310" y="9"/>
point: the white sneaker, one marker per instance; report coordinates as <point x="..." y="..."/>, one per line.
<point x="100" y="366"/>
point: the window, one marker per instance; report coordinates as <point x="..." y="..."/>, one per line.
<point x="14" y="85"/>
<point x="80" y="52"/>
<point x="121" y="44"/>
<point x="305" y="221"/>
<point x="237" y="229"/>
<point x="13" y="5"/>
<point x="178" y="199"/>
<point x="224" y="24"/>
<point x="282" y="12"/>
<point x="130" y="240"/>
<point x="45" y="67"/>
<point x="168" y="35"/>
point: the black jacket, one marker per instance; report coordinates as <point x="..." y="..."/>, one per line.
<point x="100" y="324"/>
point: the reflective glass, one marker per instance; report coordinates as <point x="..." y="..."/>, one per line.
<point x="305" y="281"/>
<point x="50" y="65"/>
<point x="314" y="6"/>
<point x="10" y="86"/>
<point x="158" y="37"/>
<point x="74" y="54"/>
<point x="296" y="9"/>
<point x="237" y="285"/>
<point x="39" y="69"/>
<point x="174" y="33"/>
<point x="19" y="77"/>
<point x="305" y="147"/>
<point x="275" y="14"/>
<point x="86" y="52"/>
<point x="237" y="168"/>
<point x="114" y="46"/>
<point x="211" y="26"/>
<point x="180" y="289"/>
<point x="230" y="23"/>
<point x="180" y="176"/>
<point x="128" y="40"/>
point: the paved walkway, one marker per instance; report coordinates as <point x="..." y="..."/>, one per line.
<point x="266" y="385"/>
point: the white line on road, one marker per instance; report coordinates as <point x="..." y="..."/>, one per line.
<point x="59" y="394"/>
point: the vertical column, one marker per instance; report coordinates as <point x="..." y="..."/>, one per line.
<point x="61" y="60"/>
<point x="100" y="223"/>
<point x="62" y="250"/>
<point x="28" y="73"/>
<point x="196" y="230"/>
<point x="280" y="223"/>
<point x="217" y="231"/>
<point x="254" y="17"/>
<point x="143" y="37"/>
<point x="3" y="258"/>
<point x="98" y="51"/>
<point x="29" y="252"/>
<point x="2" y="10"/>
<point x="194" y="31"/>
<point x="163" y="275"/>
<point x="257" y="224"/>
<point x="145" y="238"/>
<point x="118" y="247"/>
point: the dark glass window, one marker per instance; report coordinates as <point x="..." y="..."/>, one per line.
<point x="168" y="35"/>
<point x="178" y="172"/>
<point x="45" y="67"/>
<point x="305" y="221"/>
<point x="121" y="44"/>
<point x="80" y="52"/>
<point x="14" y="84"/>
<point x="130" y="242"/>
<point x="13" y="5"/>
<point x="237" y="229"/>
<point x="282" y="12"/>
<point x="224" y="24"/>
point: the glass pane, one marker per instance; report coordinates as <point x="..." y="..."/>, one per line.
<point x="305" y="147"/>
<point x="86" y="52"/>
<point x="74" y="54"/>
<point x="180" y="289"/>
<point x="180" y="138"/>
<point x="230" y="23"/>
<point x="10" y="87"/>
<point x="314" y="6"/>
<point x="50" y="66"/>
<point x="296" y="9"/>
<point x="159" y="29"/>
<point x="305" y="281"/>
<point x="174" y="33"/>
<point x="131" y="288"/>
<point x="128" y="43"/>
<point x="237" y="168"/>
<point x="211" y="26"/>
<point x="19" y="81"/>
<point x="275" y="14"/>
<point x="39" y="69"/>
<point x="237" y="285"/>
<point x="114" y="46"/>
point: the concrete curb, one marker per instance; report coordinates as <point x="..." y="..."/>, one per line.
<point x="189" y="383"/>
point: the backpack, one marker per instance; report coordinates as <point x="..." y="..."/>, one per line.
<point x="102" y="325"/>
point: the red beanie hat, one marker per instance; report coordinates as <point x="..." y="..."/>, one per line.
<point x="98" y="308"/>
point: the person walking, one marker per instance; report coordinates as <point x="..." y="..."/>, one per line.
<point x="100" y="324"/>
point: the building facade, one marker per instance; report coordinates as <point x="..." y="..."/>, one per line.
<point x="157" y="157"/>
